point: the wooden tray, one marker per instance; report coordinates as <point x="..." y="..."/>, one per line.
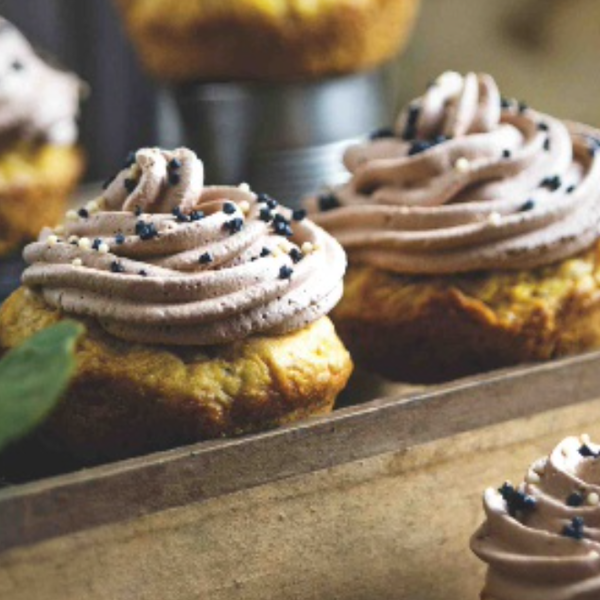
<point x="374" y="501"/>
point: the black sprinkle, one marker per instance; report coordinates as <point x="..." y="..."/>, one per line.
<point x="552" y="183"/>
<point x="505" y="103"/>
<point x="419" y="146"/>
<point x="282" y="227"/>
<point x="175" y="163"/>
<point x="542" y="126"/>
<point x="296" y="255"/>
<point x="120" y="238"/>
<point x="17" y="65"/>
<point x="574" y="529"/>
<point x="570" y="189"/>
<point x="229" y="208"/>
<point x="146" y="231"/>
<point x="96" y="244"/>
<point x="529" y="205"/>
<point x="181" y="218"/>
<point x="130" y="185"/>
<point x="205" y="258"/>
<point x="265" y="252"/>
<point x="285" y="272"/>
<point x="575" y="499"/>
<point x="382" y="133"/>
<point x="299" y="214"/>
<point x="174" y="178"/>
<point x="587" y="452"/>
<point x="506" y="154"/>
<point x="138" y="211"/>
<point x="516" y="501"/>
<point x="266" y="199"/>
<point x="265" y="215"/>
<point x="328" y="202"/>
<point x="522" y="107"/>
<point x="143" y="273"/>
<point x="410" y="129"/>
<point x="117" y="267"/>
<point x="83" y="213"/>
<point x="196" y="215"/>
<point x="547" y="144"/>
<point x="234" y="225"/>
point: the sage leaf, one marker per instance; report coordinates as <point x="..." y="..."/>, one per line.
<point x="33" y="377"/>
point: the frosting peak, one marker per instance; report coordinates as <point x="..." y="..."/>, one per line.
<point x="161" y="259"/>
<point x="467" y="181"/>
<point x="541" y="540"/>
<point x="38" y="103"/>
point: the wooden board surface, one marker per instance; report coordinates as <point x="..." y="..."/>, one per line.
<point x="128" y="490"/>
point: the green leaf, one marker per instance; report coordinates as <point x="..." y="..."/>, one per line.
<point x="33" y="378"/>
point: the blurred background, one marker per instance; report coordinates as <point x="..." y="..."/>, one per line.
<point x="543" y="51"/>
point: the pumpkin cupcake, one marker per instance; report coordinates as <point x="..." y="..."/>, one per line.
<point x="265" y="40"/>
<point x="39" y="162"/>
<point x="472" y="230"/>
<point x="205" y="310"/>
<point x="541" y="540"/>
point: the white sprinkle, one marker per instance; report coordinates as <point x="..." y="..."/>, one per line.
<point x="71" y="215"/>
<point x="72" y="239"/>
<point x="462" y="165"/>
<point x="103" y="248"/>
<point x="307" y="248"/>
<point x="84" y="243"/>
<point x="593" y="499"/>
<point x="77" y="262"/>
<point x="244" y="206"/>
<point x="533" y="477"/>
<point x="585" y="439"/>
<point x="92" y="206"/>
<point x="495" y="219"/>
<point x="244" y="187"/>
<point x="276" y="253"/>
<point x="59" y="229"/>
<point x="539" y="466"/>
<point x="52" y="240"/>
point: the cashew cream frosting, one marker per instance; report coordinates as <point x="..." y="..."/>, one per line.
<point x="541" y="540"/>
<point x="38" y="103"/>
<point x="161" y="259"/>
<point x="467" y="181"/>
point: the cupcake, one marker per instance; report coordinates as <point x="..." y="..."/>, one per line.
<point x="205" y="310"/>
<point x="265" y="40"/>
<point x="39" y="163"/>
<point x="541" y="540"/>
<point x="472" y="233"/>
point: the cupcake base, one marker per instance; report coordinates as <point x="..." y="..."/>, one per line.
<point x="35" y="191"/>
<point x="250" y="40"/>
<point x="129" y="399"/>
<point x="430" y="329"/>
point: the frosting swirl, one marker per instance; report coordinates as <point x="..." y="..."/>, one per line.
<point x="160" y="259"/>
<point x="38" y="103"/>
<point x="467" y="181"/>
<point x="542" y="540"/>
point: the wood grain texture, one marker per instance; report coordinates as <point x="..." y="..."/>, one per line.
<point x="129" y="490"/>
<point x="393" y="526"/>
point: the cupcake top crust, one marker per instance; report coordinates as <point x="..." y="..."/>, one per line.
<point x="161" y="259"/>
<point x="467" y="181"/>
<point x="542" y="539"/>
<point x="38" y="103"/>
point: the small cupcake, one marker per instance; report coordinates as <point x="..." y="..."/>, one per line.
<point x="541" y="540"/>
<point x="205" y="310"/>
<point x="472" y="234"/>
<point x="265" y="40"/>
<point x="39" y="163"/>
